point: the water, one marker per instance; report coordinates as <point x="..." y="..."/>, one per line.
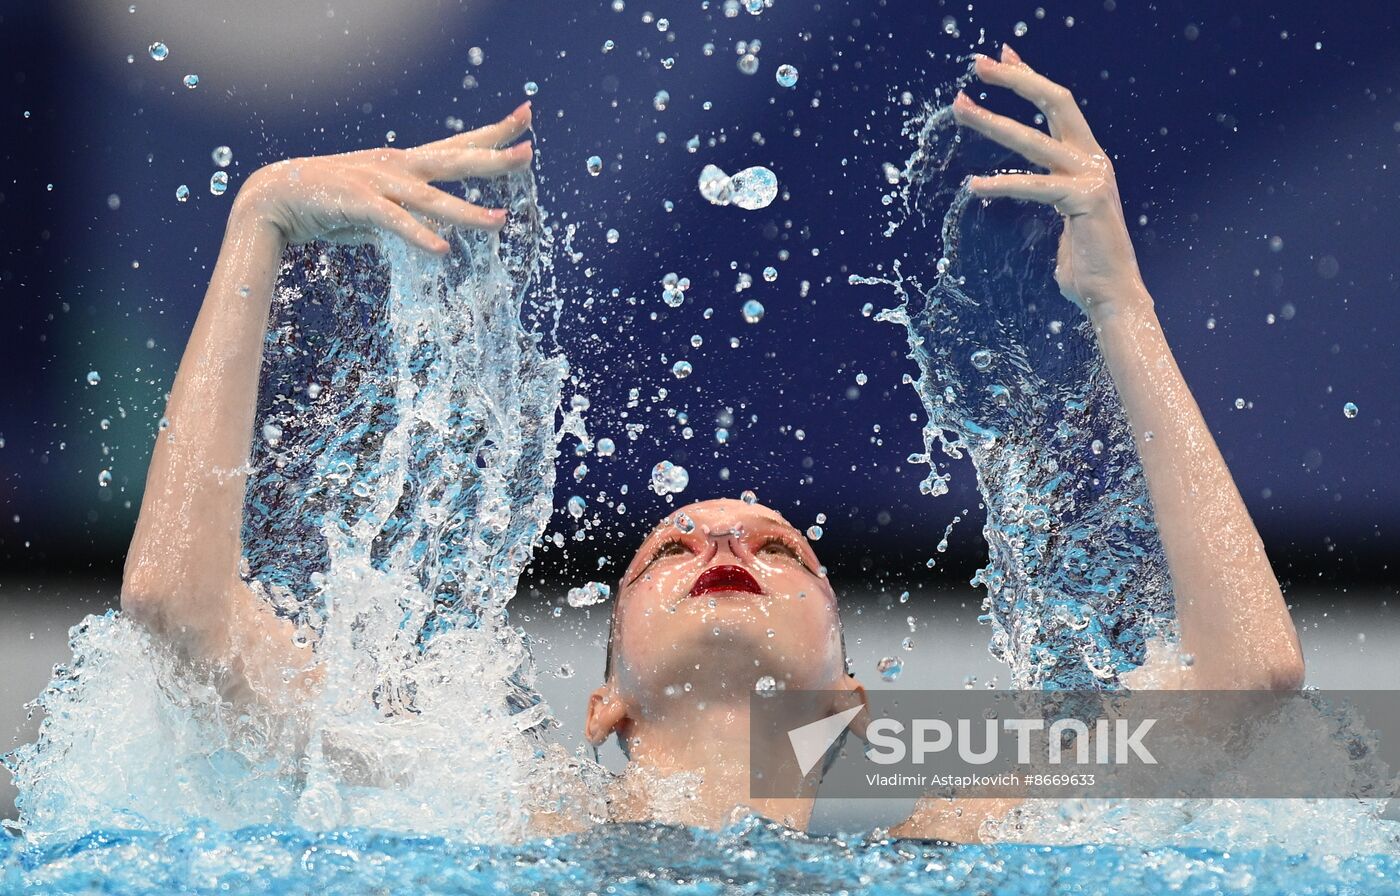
<point x="747" y="857"/>
<point x="388" y="517"/>
<point x="1009" y="376"/>
<point x="411" y="415"/>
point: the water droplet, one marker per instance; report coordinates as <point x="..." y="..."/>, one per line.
<point x="606" y="447"/>
<point x="753" y="188"/>
<point x="661" y="100"/>
<point x="748" y="63"/>
<point x="814" y="533"/>
<point x="714" y="185"/>
<point x="907" y="644"/>
<point x="683" y="523"/>
<point x="765" y="685"/>
<point x="222" y="156"/>
<point x="721" y="435"/>
<point x="589" y="594"/>
<point x="612" y="236"/>
<point x="668" y="478"/>
<point x="681" y="369"/>
<point x="786" y="75"/>
<point x="1350" y="410"/>
<point x="1020" y="29"/>
<point x="1276" y="244"/>
<point x="182" y="193"/>
<point x="861" y="379"/>
<point x="982" y="359"/>
<point x="753" y="311"/>
<point x="191" y="81"/>
<point x="104" y="478"/>
<point x="114" y="201"/>
<point x="218" y="183"/>
<point x="93" y="378"/>
<point x="594" y="165"/>
<point x="159" y="51"/>
<point x="889" y="668"/>
<point x="696" y="341"/>
<point x="748" y="496"/>
<point x="531" y="88"/>
<point x="577" y="506"/>
<point x="770" y="274"/>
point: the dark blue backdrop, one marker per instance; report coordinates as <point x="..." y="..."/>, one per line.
<point x="1258" y="143"/>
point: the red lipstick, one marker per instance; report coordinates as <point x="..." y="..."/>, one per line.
<point x="725" y="578"/>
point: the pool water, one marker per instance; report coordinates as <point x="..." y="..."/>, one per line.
<point x="749" y="856"/>
<point x="391" y="515"/>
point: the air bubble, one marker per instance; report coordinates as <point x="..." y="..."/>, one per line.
<point x="786" y="76"/>
<point x="594" y="165"/>
<point x="222" y="156"/>
<point x="159" y="51"/>
<point x="218" y="183"/>
<point x="889" y="668"/>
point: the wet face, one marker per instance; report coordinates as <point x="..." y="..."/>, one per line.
<point x="720" y="594"/>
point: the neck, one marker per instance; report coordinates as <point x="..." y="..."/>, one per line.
<point x="690" y="765"/>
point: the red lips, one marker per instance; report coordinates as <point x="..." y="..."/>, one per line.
<point x="725" y="578"/>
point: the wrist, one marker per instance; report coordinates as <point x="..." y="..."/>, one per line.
<point x="1131" y="301"/>
<point x="255" y="212"/>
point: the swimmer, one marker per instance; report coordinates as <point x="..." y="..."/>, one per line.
<point x="740" y="594"/>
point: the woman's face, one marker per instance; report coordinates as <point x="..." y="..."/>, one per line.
<point x="720" y="594"/>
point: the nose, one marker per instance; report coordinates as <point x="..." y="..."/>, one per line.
<point x="727" y="542"/>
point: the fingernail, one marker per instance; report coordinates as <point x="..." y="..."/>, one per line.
<point x="496" y="213"/>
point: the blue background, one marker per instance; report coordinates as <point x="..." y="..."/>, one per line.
<point x="1228" y="127"/>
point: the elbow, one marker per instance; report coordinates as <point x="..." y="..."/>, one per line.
<point x="143" y="599"/>
<point x="1288" y="673"/>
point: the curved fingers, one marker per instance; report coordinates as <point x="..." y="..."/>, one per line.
<point x="1061" y="112"/>
<point x="1052" y="189"/>
<point x="387" y="215"/>
<point x="1029" y="142"/>
<point x="440" y="205"/>
<point x="446" y="161"/>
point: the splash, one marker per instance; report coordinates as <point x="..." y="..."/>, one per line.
<point x="1010" y="377"/>
<point x="404" y="469"/>
<point x="1076" y="579"/>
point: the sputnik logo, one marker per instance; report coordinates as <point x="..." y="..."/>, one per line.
<point x="811" y="741"/>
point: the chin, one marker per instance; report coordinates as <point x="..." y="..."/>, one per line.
<point x="726" y="653"/>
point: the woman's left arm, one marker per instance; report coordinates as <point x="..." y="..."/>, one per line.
<point x="1234" y="623"/>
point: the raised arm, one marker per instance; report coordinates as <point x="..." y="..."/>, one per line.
<point x="182" y="570"/>
<point x="1235" y="627"/>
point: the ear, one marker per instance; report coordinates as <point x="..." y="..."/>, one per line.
<point x="849" y="683"/>
<point x="606" y="712"/>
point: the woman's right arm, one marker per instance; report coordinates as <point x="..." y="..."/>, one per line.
<point x="182" y="570"/>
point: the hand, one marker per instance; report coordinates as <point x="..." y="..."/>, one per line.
<point x="345" y="197"/>
<point x="1095" y="268"/>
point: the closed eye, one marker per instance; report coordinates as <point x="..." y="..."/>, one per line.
<point x="782" y="547"/>
<point x="666" y="549"/>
